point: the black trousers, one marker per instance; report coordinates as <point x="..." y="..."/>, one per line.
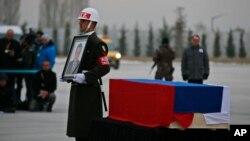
<point x="11" y="78"/>
<point x="197" y="81"/>
<point x="28" y="82"/>
<point x="19" y="86"/>
<point x="81" y="139"/>
<point x="161" y="76"/>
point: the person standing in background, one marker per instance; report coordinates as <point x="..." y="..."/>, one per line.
<point x="9" y="55"/>
<point x="46" y="52"/>
<point x="195" y="62"/>
<point x="28" y="56"/>
<point x="163" y="58"/>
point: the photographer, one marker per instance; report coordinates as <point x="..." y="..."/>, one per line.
<point x="9" y="54"/>
<point x="28" y="56"/>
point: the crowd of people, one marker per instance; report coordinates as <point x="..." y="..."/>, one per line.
<point x="36" y="51"/>
<point x="30" y="59"/>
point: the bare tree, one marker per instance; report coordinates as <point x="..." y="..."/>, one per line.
<point x="242" y="49"/>
<point x="75" y="8"/>
<point x="123" y="41"/>
<point x="165" y="31"/>
<point x="180" y="25"/>
<point x="137" y="41"/>
<point x="150" y="45"/>
<point x="2" y="16"/>
<point x="63" y="13"/>
<point x="105" y="30"/>
<point x="9" y="11"/>
<point x="56" y="13"/>
<point x="48" y="13"/>
<point x="200" y="28"/>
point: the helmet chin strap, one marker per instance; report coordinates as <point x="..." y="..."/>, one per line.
<point x="86" y="30"/>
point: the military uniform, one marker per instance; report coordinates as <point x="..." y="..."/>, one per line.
<point x="164" y="57"/>
<point x="85" y="99"/>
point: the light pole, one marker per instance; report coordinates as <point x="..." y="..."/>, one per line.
<point x="215" y="17"/>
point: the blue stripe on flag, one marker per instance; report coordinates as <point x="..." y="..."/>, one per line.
<point x="192" y="98"/>
<point x="205" y="99"/>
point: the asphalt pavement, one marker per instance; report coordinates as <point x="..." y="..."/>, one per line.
<point x="40" y="126"/>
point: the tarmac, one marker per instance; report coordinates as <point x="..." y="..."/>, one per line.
<point x="40" y="126"/>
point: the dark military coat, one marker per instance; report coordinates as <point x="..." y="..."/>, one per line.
<point x="85" y="99"/>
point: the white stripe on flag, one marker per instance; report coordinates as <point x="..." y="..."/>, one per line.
<point x="224" y="115"/>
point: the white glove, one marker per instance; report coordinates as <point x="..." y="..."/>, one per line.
<point x="79" y="78"/>
<point x="61" y="80"/>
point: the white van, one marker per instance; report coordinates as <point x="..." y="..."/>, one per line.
<point x="17" y="30"/>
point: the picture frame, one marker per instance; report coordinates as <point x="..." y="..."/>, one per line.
<point x="74" y="57"/>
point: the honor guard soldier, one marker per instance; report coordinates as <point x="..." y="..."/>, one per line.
<point x="85" y="102"/>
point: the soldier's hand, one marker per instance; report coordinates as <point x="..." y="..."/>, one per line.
<point x="79" y="78"/>
<point x="62" y="80"/>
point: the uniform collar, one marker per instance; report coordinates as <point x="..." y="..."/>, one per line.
<point x="89" y="33"/>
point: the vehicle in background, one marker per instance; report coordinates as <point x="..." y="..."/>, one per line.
<point x="114" y="56"/>
<point x="17" y="30"/>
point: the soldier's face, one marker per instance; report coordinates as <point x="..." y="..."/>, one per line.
<point x="83" y="24"/>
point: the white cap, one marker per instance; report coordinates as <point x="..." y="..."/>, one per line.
<point x="46" y="36"/>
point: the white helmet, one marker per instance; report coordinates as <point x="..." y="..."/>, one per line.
<point x="89" y="14"/>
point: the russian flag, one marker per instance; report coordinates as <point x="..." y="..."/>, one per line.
<point x="155" y="103"/>
<point x="224" y="115"/>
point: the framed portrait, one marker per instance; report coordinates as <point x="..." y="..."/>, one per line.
<point x="74" y="57"/>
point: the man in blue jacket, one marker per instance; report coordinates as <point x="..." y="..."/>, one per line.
<point x="46" y="52"/>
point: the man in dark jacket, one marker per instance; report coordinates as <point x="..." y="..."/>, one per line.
<point x="195" y="62"/>
<point x="85" y="94"/>
<point x="7" y="95"/>
<point x="164" y="57"/>
<point x="9" y="54"/>
<point x="28" y="56"/>
<point x="44" y="88"/>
